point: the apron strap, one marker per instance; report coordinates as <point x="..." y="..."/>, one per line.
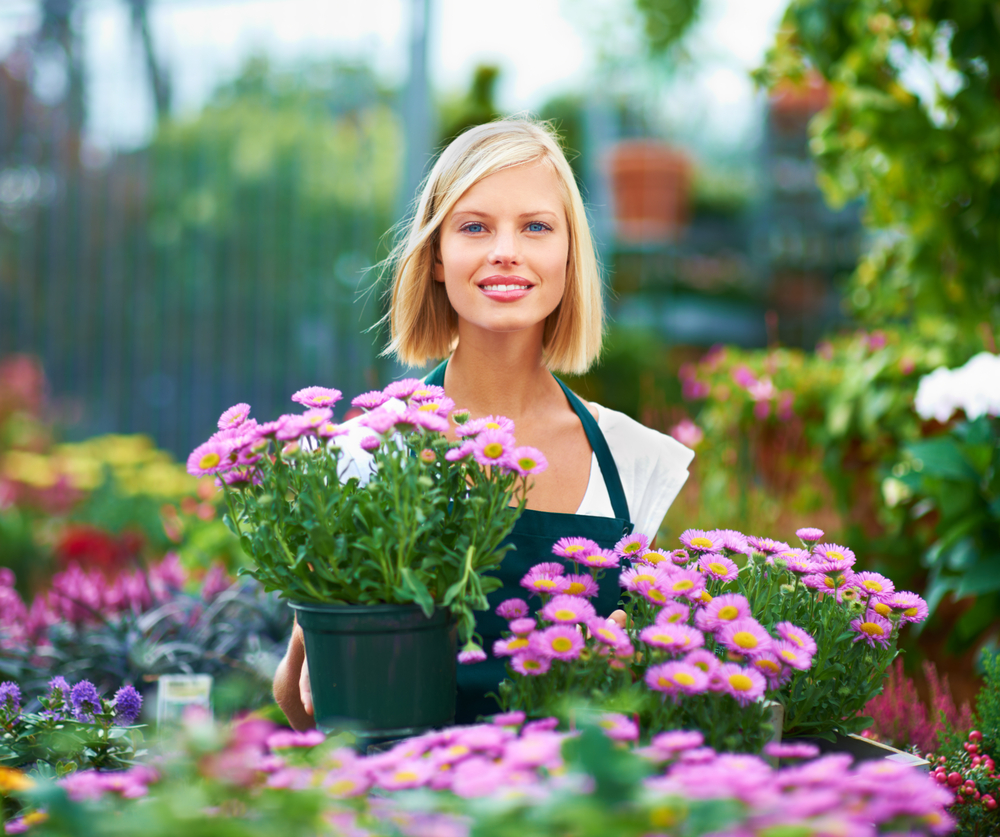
<point x="609" y="470"/>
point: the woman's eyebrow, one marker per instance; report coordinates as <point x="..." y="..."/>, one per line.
<point x="480" y="214"/>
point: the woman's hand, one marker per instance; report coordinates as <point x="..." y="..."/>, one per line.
<point x="292" y="689"/>
<point x="619" y="617"/>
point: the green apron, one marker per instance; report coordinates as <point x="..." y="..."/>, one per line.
<point x="533" y="536"/>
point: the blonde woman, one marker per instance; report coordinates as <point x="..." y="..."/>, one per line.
<point x="498" y="275"/>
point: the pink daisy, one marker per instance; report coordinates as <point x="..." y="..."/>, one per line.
<point x="829" y="557"/>
<point x="370" y="443"/>
<point x="528" y="461"/>
<point x="686" y="583"/>
<point x="501" y="423"/>
<point x="440" y="407"/>
<point x="329" y="430"/>
<point x="208" y="458"/>
<point x="573" y="548"/>
<point x="797" y="636"/>
<point x="508" y="719"/>
<point x="581" y="585"/>
<point x="673" y="613"/>
<point x="370" y="400"/>
<point x="772" y="668"/>
<point x="234" y="416"/>
<point x="530" y="664"/>
<point x="913" y="607"/>
<point x="568" y="610"/>
<point x="619" y="727"/>
<point x="471" y="654"/>
<point x="722" y="610"/>
<point x="607" y="632"/>
<point x="766" y="546"/>
<point x="493" y="447"/>
<point x="512" y="609"/>
<point x="550" y="567"/>
<point x="403" y="389"/>
<point x="601" y="559"/>
<point x="636" y="578"/>
<point x="379" y="421"/>
<point x="732" y="541"/>
<point x="745" y="636"/>
<point x="560" y="642"/>
<point x="427" y="392"/>
<point x="701" y="541"/>
<point x="653" y="557"/>
<point x="317" y="397"/>
<point x="718" y="566"/>
<point x="420" y="420"/>
<point x="791" y="750"/>
<point x="522" y="626"/>
<point x="873" y="584"/>
<point x="543" y="582"/>
<point x="797" y="560"/>
<point x="510" y="646"/>
<point x="873" y="629"/>
<point x="791" y="655"/>
<point x="631" y="545"/>
<point x="680" y="557"/>
<point x="673" y="638"/>
<point x="703" y="659"/>
<point x="809" y="534"/>
<point x="463" y="451"/>
<point x="676" y="677"/>
<point x="744" y="684"/>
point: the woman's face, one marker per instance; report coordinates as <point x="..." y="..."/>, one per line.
<point x="504" y="249"/>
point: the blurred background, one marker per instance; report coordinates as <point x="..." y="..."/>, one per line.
<point x="796" y="203"/>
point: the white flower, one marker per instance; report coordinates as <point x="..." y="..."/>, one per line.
<point x="974" y="388"/>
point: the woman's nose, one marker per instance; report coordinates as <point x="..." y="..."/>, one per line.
<point x="505" y="249"/>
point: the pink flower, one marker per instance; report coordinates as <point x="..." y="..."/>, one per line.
<point x="412" y="773"/>
<point x="791" y="750"/>
<point x="568" y="610"/>
<point x="675" y="677"/>
<point x="809" y="534"/>
<point x="913" y="607"/>
<point x="573" y="548"/>
<point x="471" y="654"/>
<point x="744" y="684"/>
<point x="601" y="559"/>
<point x="687" y="433"/>
<point x="654" y="557"/>
<point x="510" y="646"/>
<point x="420" y="420"/>
<point x="792" y="655"/>
<point x="619" y="727"/>
<point x="768" y="664"/>
<point x="528" y="460"/>
<point x="797" y="636"/>
<point x="403" y="389"/>
<point x="508" y="719"/>
<point x="873" y="584"/>
<point x="607" y="632"/>
<point x="370" y="443"/>
<point x="718" y="566"/>
<point x="701" y="541"/>
<point x="745" y="636"/>
<point x="317" y="397"/>
<point x="581" y="585"/>
<point x="543" y="582"/>
<point x="493" y="447"/>
<point x="631" y="546"/>
<point x="766" y="546"/>
<point x="463" y="451"/>
<point x="673" y="613"/>
<point x="379" y="421"/>
<point x="285" y="738"/>
<point x="428" y="392"/>
<point x="673" y="638"/>
<point x="832" y="558"/>
<point x="704" y="659"/>
<point x="370" y="400"/>
<point x="638" y="578"/>
<point x="234" y="416"/>
<point x="686" y="583"/>
<point x="208" y="458"/>
<point x="873" y="629"/>
<point x="512" y="609"/>
<point x="530" y="664"/>
<point x="559" y="642"/>
<point x="440" y="405"/>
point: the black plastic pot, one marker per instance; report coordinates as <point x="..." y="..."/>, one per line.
<point x="383" y="671"/>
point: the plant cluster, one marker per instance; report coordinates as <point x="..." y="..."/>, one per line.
<point x="420" y="520"/>
<point x="75" y="728"/>
<point x="717" y="633"/>
<point x="492" y="779"/>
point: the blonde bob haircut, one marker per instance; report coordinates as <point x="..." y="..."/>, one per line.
<point x="423" y="325"/>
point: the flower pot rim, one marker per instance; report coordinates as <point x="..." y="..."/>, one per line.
<point x="355" y="607"/>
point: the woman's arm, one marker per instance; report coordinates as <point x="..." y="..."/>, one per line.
<point x="292" y="690"/>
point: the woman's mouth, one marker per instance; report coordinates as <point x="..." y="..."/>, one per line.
<point x="505" y="289"/>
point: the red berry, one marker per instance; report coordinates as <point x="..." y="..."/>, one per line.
<point x="976" y="761"/>
<point x="954" y="779"/>
<point x="976" y="736"/>
<point x="989" y="803"/>
<point x="972" y="748"/>
<point x="942" y="759"/>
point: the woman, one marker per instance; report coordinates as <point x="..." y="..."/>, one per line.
<point x="498" y="274"/>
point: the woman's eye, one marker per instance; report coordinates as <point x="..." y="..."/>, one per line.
<point x="537" y="226"/>
<point x="473" y="227"/>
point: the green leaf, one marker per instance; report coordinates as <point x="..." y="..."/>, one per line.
<point x="942" y="457"/>
<point x="421" y="594"/>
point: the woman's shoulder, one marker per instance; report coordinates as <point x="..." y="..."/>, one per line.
<point x="632" y="440"/>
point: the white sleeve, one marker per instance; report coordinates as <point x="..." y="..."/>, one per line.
<point x="652" y="466"/>
<point x="355" y="461"/>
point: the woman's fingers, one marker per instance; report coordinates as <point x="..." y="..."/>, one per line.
<point x="305" y="688"/>
<point x="618" y="617"/>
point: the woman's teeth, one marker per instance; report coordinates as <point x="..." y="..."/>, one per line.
<point x="502" y="288"/>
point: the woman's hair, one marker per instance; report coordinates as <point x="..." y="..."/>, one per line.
<point x="423" y="325"/>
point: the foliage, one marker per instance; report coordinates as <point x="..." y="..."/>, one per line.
<point x="913" y="126"/>
<point x="420" y="522"/>
<point x="666" y="21"/>
<point x="966" y="761"/>
<point x="956" y="476"/>
<point x="501" y="779"/>
<point x="717" y="634"/>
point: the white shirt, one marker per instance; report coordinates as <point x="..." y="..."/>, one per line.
<point x="652" y="467"/>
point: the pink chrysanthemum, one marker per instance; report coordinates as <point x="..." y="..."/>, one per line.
<point x="471" y="654"/>
<point x="601" y="559"/>
<point x="234" y="416"/>
<point x="425" y="420"/>
<point x="701" y="541"/>
<point x="568" y="610"/>
<point x="550" y="567"/>
<point x="510" y="646"/>
<point x="703" y="659"/>
<point x="732" y="541"/>
<point x="317" y="397"/>
<point x="745" y="636"/>
<point x="208" y="458"/>
<point x="809" y="535"/>
<point x="744" y="684"/>
<point x="913" y="607"/>
<point x="686" y="583"/>
<point x="718" y="566"/>
<point x="619" y="727"/>
<point x="873" y="584"/>
<point x="797" y="560"/>
<point x="493" y="447"/>
<point x="791" y="750"/>
<point x="240" y="478"/>
<point x="463" y="451"/>
<point x="512" y="609"/>
<point x="530" y="664"/>
<point x="673" y="613"/>
<point x="766" y="546"/>
<point x="791" y="655"/>
<point x="631" y="545"/>
<point x="370" y="443"/>
<point x="677" y="740"/>
<point x="403" y="389"/>
<point x="508" y="719"/>
<point x="636" y="578"/>
<point x="873" y="629"/>
<point x="427" y="392"/>
<point x="673" y="638"/>
<point x="439" y="407"/>
<point x="379" y="421"/>
<point x="329" y="430"/>
<point x="676" y="677"/>
<point x="656" y="594"/>
<point x="797" y="636"/>
<point x="830" y="557"/>
<point x="654" y="557"/>
<point x="573" y="548"/>
<point x="607" y="632"/>
<point x="412" y="773"/>
<point x="722" y="610"/>
<point x="559" y="642"/>
<point x="369" y="400"/>
<point x="501" y="423"/>
<point x="831" y="583"/>
<point x="523" y="626"/>
<point x="581" y="585"/>
<point x="543" y="582"/>
<point x="774" y="671"/>
<point x="528" y="460"/>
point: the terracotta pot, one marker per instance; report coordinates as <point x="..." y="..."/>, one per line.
<point x="651" y="183"/>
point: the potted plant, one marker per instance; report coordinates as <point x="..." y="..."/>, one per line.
<point x="380" y="533"/>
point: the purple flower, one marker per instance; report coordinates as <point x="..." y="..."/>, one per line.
<point x="531" y="664"/>
<point x="286" y="739"/>
<point x="404" y="388"/>
<point x="581" y="585"/>
<point x="493" y="447"/>
<point x="619" y="727"/>
<point x="542" y="581"/>
<point x="873" y="629"/>
<point x="745" y="636"/>
<point x="317" y="397"/>
<point x="58" y="696"/>
<point x="463" y="451"/>
<point x="471" y="654"/>
<point x="512" y="609"/>
<point x="568" y="610"/>
<point x="790" y="750"/>
<point x="718" y="566"/>
<point x="370" y="443"/>
<point x="370" y="400"/>
<point x="208" y="458"/>
<point x="234" y="416"/>
<point x="673" y="638"/>
<point x="560" y="642"/>
<point x="528" y="460"/>
<point x="809" y="534"/>
<point x="10" y="700"/>
<point x="508" y="719"/>
<point x="830" y="557"/>
<point x="913" y="607"/>
<point x="766" y="546"/>
<point x="631" y="546"/>
<point x="674" y="677"/>
<point x="128" y="704"/>
<point x="379" y="421"/>
<point x="701" y="541"/>
<point x="600" y="559"/>
<point x="85" y="701"/>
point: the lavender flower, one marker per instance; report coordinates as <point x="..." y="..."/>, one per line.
<point x="10" y="701"/>
<point x="85" y="701"/>
<point x="128" y="704"/>
<point x="57" y="700"/>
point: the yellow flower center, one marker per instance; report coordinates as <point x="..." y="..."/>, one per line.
<point x="565" y="615"/>
<point x="604" y="633"/>
<point x="910" y="611"/>
<point x="526" y="463"/>
<point x="872" y="629"/>
<point x="797" y="640"/>
<point x="702" y="665"/>
<point x="420" y="393"/>
<point x="717" y="568"/>
<point x="575" y="588"/>
<point x="674" y="618"/>
<point x="740" y="682"/>
<point x="494" y="450"/>
<point x="405" y="776"/>
<point x="835" y="556"/>
<point x="829" y="582"/>
<point x="14" y="780"/>
<point x="342" y="786"/>
<point x="682" y="585"/>
<point x="704" y="542"/>
<point x="653" y="557"/>
<point x="745" y="640"/>
<point x="429" y="407"/>
<point x="873" y="585"/>
<point x="322" y="399"/>
<point x="768" y="665"/>
<point x="664" y="682"/>
<point x="882" y="609"/>
<point x="562" y="644"/>
<point x="209" y="460"/>
<point x="705" y="597"/>
<point x="635" y="546"/>
<point x="662" y="818"/>
<point x="492" y="425"/>
<point x="664" y="638"/>
<point x="644" y="577"/>
<point x="656" y="595"/>
<point x="517" y="644"/>
<point x="728" y="613"/>
<point x="532" y="664"/>
<point x="787" y="654"/>
<point x="574" y="548"/>
<point x="457" y="750"/>
<point x="683" y="678"/>
<point x="543" y="584"/>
